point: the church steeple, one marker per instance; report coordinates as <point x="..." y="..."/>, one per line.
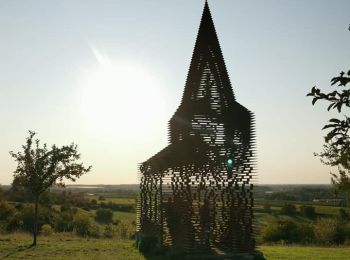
<point x="207" y="56"/>
<point x="208" y="89"/>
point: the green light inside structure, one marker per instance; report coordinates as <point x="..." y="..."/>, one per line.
<point x="229" y="162"/>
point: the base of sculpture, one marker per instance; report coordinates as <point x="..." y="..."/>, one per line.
<point x="256" y="255"/>
<point x="150" y="247"/>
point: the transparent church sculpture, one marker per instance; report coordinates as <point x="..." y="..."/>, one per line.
<point x="197" y="192"/>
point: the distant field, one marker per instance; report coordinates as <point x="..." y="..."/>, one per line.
<point x="116" y="198"/>
<point x="119" y="215"/>
<point x="66" y="246"/>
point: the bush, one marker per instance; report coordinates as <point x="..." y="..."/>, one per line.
<point x="329" y="231"/>
<point x="64" y="222"/>
<point x="6" y="210"/>
<point x="15" y="223"/>
<point x="306" y="233"/>
<point x="288" y="209"/>
<point x="66" y="207"/>
<point x="308" y="212"/>
<point x="279" y="230"/>
<point x="94" y="230"/>
<point x="27" y="217"/>
<point x="83" y="226"/>
<point x="125" y="230"/>
<point x="46" y="230"/>
<point x="104" y="216"/>
<point x="110" y="231"/>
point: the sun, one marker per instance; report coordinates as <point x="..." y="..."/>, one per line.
<point x="120" y="98"/>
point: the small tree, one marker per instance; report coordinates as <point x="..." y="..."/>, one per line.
<point x="336" y="150"/>
<point x="38" y="168"/>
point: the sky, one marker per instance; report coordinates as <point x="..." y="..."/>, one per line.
<point x="108" y="75"/>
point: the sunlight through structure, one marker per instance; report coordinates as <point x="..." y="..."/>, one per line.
<point x="196" y="193"/>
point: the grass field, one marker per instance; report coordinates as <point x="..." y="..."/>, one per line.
<point x="305" y="252"/>
<point x="67" y="246"/>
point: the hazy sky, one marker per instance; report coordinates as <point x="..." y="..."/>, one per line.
<point x="108" y="75"/>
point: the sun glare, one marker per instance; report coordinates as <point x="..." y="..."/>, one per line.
<point x="120" y="98"/>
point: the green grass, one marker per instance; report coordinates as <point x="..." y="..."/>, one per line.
<point x="127" y="216"/>
<point x="66" y="246"/>
<point x="305" y="252"/>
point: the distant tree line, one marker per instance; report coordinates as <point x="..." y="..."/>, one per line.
<point x="301" y="194"/>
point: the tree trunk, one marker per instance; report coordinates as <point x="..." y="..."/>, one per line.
<point x="35" y="230"/>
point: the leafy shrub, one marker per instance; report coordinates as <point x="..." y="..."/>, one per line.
<point x="46" y="230"/>
<point x="279" y="230"/>
<point x="125" y="230"/>
<point x="15" y="223"/>
<point x="94" y="230"/>
<point x="27" y="217"/>
<point x="308" y="212"/>
<point x="110" y="231"/>
<point x="288" y="209"/>
<point x="329" y="231"/>
<point x="104" y="216"/>
<point x="83" y="226"/>
<point x="306" y="233"/>
<point x="6" y="210"/>
<point x="64" y="222"/>
<point x="66" y="207"/>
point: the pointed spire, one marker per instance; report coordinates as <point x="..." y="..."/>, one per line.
<point x="207" y="53"/>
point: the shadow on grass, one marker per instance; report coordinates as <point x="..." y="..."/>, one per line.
<point x="256" y="255"/>
<point x="17" y="250"/>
